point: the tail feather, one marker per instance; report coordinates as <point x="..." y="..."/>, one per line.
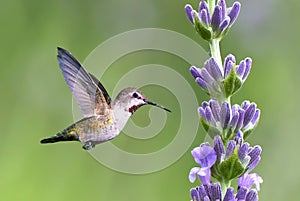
<point x="60" y="137"/>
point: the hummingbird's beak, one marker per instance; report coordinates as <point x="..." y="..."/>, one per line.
<point x="156" y="105"/>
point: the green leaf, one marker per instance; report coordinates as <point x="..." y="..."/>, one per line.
<point x="232" y="83"/>
<point x="237" y="84"/>
<point x="211" y="131"/>
<point x="203" y="31"/>
<point x="229" y="83"/>
<point x="231" y="167"/>
<point x="204" y="124"/>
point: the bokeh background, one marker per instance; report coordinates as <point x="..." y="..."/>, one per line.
<point x="36" y="103"/>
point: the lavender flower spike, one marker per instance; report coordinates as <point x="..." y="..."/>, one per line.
<point x="212" y="25"/>
<point x="230" y="158"/>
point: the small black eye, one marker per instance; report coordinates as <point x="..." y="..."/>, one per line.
<point x="135" y="95"/>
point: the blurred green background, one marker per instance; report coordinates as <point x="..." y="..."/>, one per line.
<point x="36" y="102"/>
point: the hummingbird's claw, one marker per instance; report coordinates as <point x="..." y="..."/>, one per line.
<point x="88" y="145"/>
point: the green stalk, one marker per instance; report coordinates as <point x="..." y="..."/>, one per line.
<point x="211" y="5"/>
<point x="224" y="186"/>
<point x="214" y="46"/>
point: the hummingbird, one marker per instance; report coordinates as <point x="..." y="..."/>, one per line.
<point x="103" y="118"/>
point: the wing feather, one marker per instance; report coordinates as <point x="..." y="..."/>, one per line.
<point x="87" y="90"/>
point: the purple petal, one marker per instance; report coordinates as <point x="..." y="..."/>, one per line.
<point x="245" y="105"/>
<point x="205" y="104"/>
<point x="206" y="76"/>
<point x="234" y="12"/>
<point x="216" y="192"/>
<point x="241" y="194"/>
<point x="193" y="173"/>
<point x="215" y="108"/>
<point x="248" y="180"/>
<point x="241" y="119"/>
<point x="218" y="146"/>
<point x="228" y="64"/>
<point x="206" y="198"/>
<point x="216" y="18"/>
<point x="189" y="12"/>
<point x="225" y="114"/>
<point x="249" y="114"/>
<point x="204" y="175"/>
<point x="229" y="196"/>
<point x="254" y="153"/>
<point x="253" y="164"/>
<point x="243" y="151"/>
<point x="201" y="111"/>
<point x="201" y="83"/>
<point x="222" y="4"/>
<point x="234" y="120"/>
<point x="203" y="6"/>
<point x="241" y="69"/>
<point x="248" y="67"/>
<point x="209" y="116"/>
<point x="252" y="195"/>
<point x="239" y="137"/>
<point x="195" y="72"/>
<point x="202" y="192"/>
<point x="203" y="15"/>
<point x="255" y="117"/>
<point x="213" y="68"/>
<point x="204" y="155"/>
<point x="230" y="148"/>
<point x="195" y="194"/>
<point x="235" y="108"/>
<point x="224" y="24"/>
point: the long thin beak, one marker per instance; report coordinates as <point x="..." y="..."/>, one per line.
<point x="156" y="105"/>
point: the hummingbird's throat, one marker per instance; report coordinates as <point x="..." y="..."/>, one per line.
<point x="134" y="108"/>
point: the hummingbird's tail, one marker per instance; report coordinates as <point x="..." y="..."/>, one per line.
<point x="62" y="136"/>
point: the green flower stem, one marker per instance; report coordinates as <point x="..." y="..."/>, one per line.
<point x="211" y="5"/>
<point x="214" y="46"/>
<point x="225" y="185"/>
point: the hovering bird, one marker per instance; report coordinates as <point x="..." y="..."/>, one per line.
<point x="103" y="118"/>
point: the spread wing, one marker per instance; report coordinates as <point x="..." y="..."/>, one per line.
<point x="87" y="90"/>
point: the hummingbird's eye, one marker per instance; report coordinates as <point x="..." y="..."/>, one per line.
<point x="135" y="95"/>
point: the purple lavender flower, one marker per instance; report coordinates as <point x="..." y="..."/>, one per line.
<point x="216" y="24"/>
<point x="229" y="121"/>
<point x="225" y="80"/>
<point x="205" y="156"/>
<point x="212" y="192"/>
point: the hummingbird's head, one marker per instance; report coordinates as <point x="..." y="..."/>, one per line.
<point x="132" y="99"/>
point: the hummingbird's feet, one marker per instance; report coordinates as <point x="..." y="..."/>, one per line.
<point x="88" y="145"/>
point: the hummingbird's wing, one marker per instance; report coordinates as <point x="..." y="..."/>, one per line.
<point x="87" y="90"/>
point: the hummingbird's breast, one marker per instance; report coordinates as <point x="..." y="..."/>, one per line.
<point x="97" y="129"/>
